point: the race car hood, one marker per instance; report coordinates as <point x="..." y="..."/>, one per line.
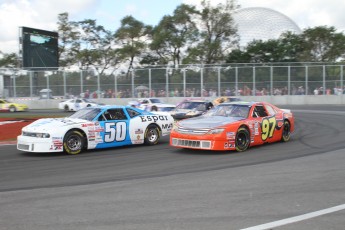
<point x="207" y="122"/>
<point x="49" y="124"/>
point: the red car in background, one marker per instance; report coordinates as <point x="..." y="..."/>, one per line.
<point x="234" y="126"/>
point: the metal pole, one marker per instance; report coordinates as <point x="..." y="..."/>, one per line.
<point x="98" y="84"/>
<point x="236" y="80"/>
<point x="289" y="77"/>
<point x="115" y="86"/>
<point x="31" y="87"/>
<point x="201" y="81"/>
<point x="14" y="85"/>
<point x="324" y="79"/>
<point x="254" y="87"/>
<point x="271" y="80"/>
<point x="81" y="82"/>
<point x="150" y="83"/>
<point x="167" y="83"/>
<point x="132" y="73"/>
<point x="184" y="82"/>
<point x="342" y="78"/>
<point x="219" y="94"/>
<point x="306" y="80"/>
<point x="65" y="83"/>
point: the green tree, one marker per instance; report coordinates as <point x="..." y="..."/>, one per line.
<point x="132" y="36"/>
<point x="217" y="33"/>
<point x="173" y="34"/>
<point x="323" y="44"/>
<point x="68" y="40"/>
<point x="9" y="60"/>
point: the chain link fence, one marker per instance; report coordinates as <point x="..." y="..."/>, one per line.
<point x="182" y="81"/>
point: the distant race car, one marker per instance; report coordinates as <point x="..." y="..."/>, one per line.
<point x="94" y="128"/>
<point x="6" y="105"/>
<point x="152" y="104"/>
<point x="234" y="126"/>
<point x="223" y="99"/>
<point x="77" y="104"/>
<point x="191" y="108"/>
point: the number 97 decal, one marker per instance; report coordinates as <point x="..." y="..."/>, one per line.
<point x="268" y="126"/>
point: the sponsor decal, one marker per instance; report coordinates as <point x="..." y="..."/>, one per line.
<point x="154" y="118"/>
<point x="138" y="131"/>
<point x="167" y="126"/>
<point x="230" y="135"/>
<point x="256" y="128"/>
<point x="228" y="145"/>
<point x="138" y="137"/>
<point x="57" y="145"/>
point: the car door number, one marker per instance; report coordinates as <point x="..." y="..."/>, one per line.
<point x="267" y="127"/>
<point x="115" y="131"/>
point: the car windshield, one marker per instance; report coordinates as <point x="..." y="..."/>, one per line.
<point x="166" y="109"/>
<point x="86" y="114"/>
<point x="156" y="100"/>
<point x="201" y="106"/>
<point x="229" y="111"/>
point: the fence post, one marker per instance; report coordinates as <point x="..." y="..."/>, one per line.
<point x="236" y="81"/>
<point x="150" y="83"/>
<point x="202" y="81"/>
<point x="132" y="75"/>
<point x="254" y="87"/>
<point x="306" y="80"/>
<point x="65" y="85"/>
<point x="341" y="79"/>
<point x="31" y="87"/>
<point x="219" y="94"/>
<point x="289" y="80"/>
<point x="324" y="79"/>
<point x="184" y="82"/>
<point x="271" y="80"/>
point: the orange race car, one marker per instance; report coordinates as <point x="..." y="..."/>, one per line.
<point x="234" y="126"/>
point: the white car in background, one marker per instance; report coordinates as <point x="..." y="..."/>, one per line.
<point x="152" y="104"/>
<point x="77" y="104"/>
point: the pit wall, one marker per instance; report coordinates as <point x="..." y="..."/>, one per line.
<point x="276" y="100"/>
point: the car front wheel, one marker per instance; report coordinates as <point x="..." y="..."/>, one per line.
<point x="286" y="131"/>
<point x="242" y="140"/>
<point x="12" y="108"/>
<point x="74" y="142"/>
<point x="151" y="135"/>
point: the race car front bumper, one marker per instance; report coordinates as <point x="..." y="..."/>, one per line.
<point x="38" y="145"/>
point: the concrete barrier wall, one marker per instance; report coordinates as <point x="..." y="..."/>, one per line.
<point x="276" y="100"/>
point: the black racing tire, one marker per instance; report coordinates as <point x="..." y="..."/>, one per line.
<point x="66" y="108"/>
<point x="242" y="140"/>
<point x="152" y="135"/>
<point x="73" y="142"/>
<point x="12" y="109"/>
<point x="286" y="133"/>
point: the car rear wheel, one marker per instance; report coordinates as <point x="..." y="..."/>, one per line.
<point x="74" y="142"/>
<point x="151" y="135"/>
<point x="12" y="108"/>
<point x="286" y="131"/>
<point x="242" y="140"/>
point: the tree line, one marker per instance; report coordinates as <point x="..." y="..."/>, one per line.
<point x="191" y="35"/>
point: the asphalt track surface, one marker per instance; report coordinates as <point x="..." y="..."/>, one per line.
<point x="160" y="187"/>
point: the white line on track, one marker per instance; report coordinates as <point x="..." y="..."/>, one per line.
<point x="296" y="218"/>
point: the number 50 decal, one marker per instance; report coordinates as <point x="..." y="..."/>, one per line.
<point x="267" y="127"/>
<point x="115" y="131"/>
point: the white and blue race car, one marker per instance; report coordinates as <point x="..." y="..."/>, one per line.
<point x="95" y="128"/>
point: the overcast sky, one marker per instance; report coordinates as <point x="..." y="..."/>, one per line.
<point x="42" y="14"/>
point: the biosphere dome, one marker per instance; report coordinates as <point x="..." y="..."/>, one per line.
<point x="261" y="23"/>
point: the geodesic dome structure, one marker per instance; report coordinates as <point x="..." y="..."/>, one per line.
<point x="261" y="23"/>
